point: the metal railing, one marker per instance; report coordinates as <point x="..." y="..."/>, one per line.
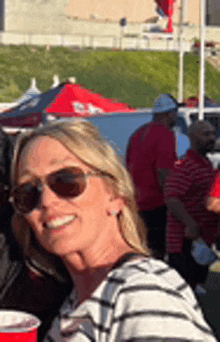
<point x="82" y="41"/>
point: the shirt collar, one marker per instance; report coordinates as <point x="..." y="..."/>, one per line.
<point x="160" y="123"/>
<point x="192" y="154"/>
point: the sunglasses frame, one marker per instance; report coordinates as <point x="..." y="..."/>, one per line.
<point x="45" y="180"/>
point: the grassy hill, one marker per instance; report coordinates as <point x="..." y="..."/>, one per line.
<point x="133" y="77"/>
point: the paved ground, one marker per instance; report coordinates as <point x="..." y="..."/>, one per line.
<point x="210" y="302"/>
<point x="215" y="61"/>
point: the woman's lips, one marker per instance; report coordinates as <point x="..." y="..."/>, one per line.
<point x="59" y="222"/>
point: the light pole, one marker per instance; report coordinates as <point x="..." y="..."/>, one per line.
<point x="181" y="54"/>
<point x="202" y="60"/>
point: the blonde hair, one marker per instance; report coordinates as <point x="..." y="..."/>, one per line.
<point x="82" y="139"/>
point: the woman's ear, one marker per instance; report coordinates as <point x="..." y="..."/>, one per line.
<point x="115" y="206"/>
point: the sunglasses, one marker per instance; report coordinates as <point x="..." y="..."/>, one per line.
<point x="69" y="182"/>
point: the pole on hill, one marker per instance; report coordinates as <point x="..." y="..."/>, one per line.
<point x="181" y="53"/>
<point x="202" y="60"/>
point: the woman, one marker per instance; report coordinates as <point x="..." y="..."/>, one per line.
<point x="74" y="200"/>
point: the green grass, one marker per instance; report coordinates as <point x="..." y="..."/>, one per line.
<point x="130" y="76"/>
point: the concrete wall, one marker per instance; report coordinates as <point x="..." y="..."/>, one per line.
<point x="149" y="42"/>
<point x="51" y="17"/>
<point x="193" y="31"/>
<point x="193" y="11"/>
<point x="133" y="10"/>
<point x="42" y="16"/>
<point x="57" y="16"/>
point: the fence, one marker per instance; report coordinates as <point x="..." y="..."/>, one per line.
<point x="151" y="41"/>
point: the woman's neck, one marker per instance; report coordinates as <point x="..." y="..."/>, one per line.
<point x="87" y="274"/>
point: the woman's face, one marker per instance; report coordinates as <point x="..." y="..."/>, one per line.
<point x="64" y="226"/>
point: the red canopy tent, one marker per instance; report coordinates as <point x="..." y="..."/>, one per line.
<point x="75" y="100"/>
<point x="66" y="100"/>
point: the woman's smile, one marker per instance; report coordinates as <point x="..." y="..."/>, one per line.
<point x="58" y="223"/>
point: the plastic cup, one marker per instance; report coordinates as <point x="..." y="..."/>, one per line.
<point x="18" y="326"/>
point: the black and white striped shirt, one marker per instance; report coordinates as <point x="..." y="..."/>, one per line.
<point x="143" y="300"/>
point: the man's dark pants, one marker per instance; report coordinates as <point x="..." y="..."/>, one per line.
<point x="187" y="267"/>
<point x="155" y="221"/>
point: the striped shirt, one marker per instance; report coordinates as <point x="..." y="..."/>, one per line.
<point x="142" y="300"/>
<point x="190" y="182"/>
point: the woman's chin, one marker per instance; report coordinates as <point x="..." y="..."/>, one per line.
<point x="56" y="248"/>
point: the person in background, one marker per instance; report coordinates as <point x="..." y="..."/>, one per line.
<point x="213" y="204"/>
<point x="151" y="154"/>
<point x="6" y="152"/>
<point x="6" y="210"/>
<point x="185" y="195"/>
<point x="75" y="201"/>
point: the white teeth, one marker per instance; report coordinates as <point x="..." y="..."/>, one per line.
<point x="55" y="224"/>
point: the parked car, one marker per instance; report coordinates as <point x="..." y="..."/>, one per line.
<point x="118" y="128"/>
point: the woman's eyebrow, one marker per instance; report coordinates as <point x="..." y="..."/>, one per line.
<point x="51" y="162"/>
<point x="56" y="161"/>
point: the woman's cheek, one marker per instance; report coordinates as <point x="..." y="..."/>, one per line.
<point x="33" y="221"/>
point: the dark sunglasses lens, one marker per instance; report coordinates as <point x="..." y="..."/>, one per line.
<point x="69" y="182"/>
<point x="26" y="197"/>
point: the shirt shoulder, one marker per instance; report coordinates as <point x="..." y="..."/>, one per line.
<point x="182" y="166"/>
<point x="150" y="130"/>
<point x="156" y="296"/>
<point x="142" y="277"/>
<point x="149" y="271"/>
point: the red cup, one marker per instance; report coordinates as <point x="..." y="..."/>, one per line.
<point x="18" y="326"/>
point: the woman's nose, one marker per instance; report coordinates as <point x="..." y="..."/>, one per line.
<point x="47" y="196"/>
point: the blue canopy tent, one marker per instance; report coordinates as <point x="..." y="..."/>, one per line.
<point x="32" y="112"/>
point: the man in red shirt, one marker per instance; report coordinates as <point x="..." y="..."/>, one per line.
<point x="151" y="154"/>
<point x="185" y="194"/>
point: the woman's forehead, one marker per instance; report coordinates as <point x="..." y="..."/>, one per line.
<point x="44" y="150"/>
